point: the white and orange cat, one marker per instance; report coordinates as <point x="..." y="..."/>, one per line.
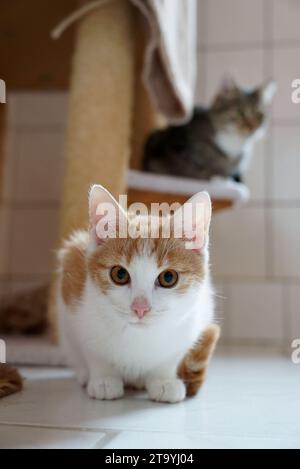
<point x="132" y="311"/>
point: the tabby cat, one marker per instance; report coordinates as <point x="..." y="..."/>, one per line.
<point x="217" y="141"/>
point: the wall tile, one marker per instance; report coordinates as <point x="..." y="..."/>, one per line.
<point x="40" y="166"/>
<point x="34" y="240"/>
<point x="255" y="174"/>
<point x="234" y="22"/>
<point x="222" y="309"/>
<point x="285" y="68"/>
<point x="284" y="246"/>
<point x="38" y="109"/>
<point x="295" y="311"/>
<point x="285" y="19"/>
<point x="28" y="283"/>
<point x="285" y="164"/>
<point x="238" y="243"/>
<point x="245" y="66"/>
<point x="201" y="76"/>
<point x="202" y="6"/>
<point x="256" y="312"/>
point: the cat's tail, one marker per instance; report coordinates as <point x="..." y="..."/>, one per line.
<point x="194" y="365"/>
<point x="25" y="312"/>
<point x="10" y="380"/>
<point x="22" y="313"/>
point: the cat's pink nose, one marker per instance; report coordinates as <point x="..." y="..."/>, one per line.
<point x="140" y="306"/>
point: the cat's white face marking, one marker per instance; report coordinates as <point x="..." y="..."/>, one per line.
<point x="162" y="303"/>
<point x="233" y="143"/>
<point x="143" y="280"/>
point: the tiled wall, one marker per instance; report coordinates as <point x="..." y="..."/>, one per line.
<point x="32" y="183"/>
<point x="256" y="249"/>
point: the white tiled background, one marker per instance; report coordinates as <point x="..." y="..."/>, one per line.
<point x="32" y="184"/>
<point x="255" y="249"/>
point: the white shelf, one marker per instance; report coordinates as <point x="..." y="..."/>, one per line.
<point x="218" y="188"/>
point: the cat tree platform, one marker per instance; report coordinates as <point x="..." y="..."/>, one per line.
<point x="151" y="188"/>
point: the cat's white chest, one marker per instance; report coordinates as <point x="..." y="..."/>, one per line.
<point x="231" y="143"/>
<point x="134" y="350"/>
<point x="235" y="145"/>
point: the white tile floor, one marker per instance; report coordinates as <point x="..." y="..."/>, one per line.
<point x="251" y="400"/>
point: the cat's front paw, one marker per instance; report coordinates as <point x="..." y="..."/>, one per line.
<point x="105" y="388"/>
<point x="166" y="390"/>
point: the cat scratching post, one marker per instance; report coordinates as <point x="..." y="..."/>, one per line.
<point x="2" y="138"/>
<point x="100" y="115"/>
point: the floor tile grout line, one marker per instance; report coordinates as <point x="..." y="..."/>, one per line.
<point x="114" y="433"/>
<point x="268" y="69"/>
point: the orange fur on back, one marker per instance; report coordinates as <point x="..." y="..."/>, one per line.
<point x="73" y="267"/>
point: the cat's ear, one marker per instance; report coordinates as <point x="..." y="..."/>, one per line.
<point x="195" y="216"/>
<point x="228" y="88"/>
<point x="106" y="216"/>
<point x="267" y="92"/>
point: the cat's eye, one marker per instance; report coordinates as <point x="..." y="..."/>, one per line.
<point x="168" y="278"/>
<point x="119" y="275"/>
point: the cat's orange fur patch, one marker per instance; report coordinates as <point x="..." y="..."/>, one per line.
<point x="10" y="380"/>
<point x="194" y="365"/>
<point x="73" y="267"/>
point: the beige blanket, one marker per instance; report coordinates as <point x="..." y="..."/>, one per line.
<point x="170" y="58"/>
